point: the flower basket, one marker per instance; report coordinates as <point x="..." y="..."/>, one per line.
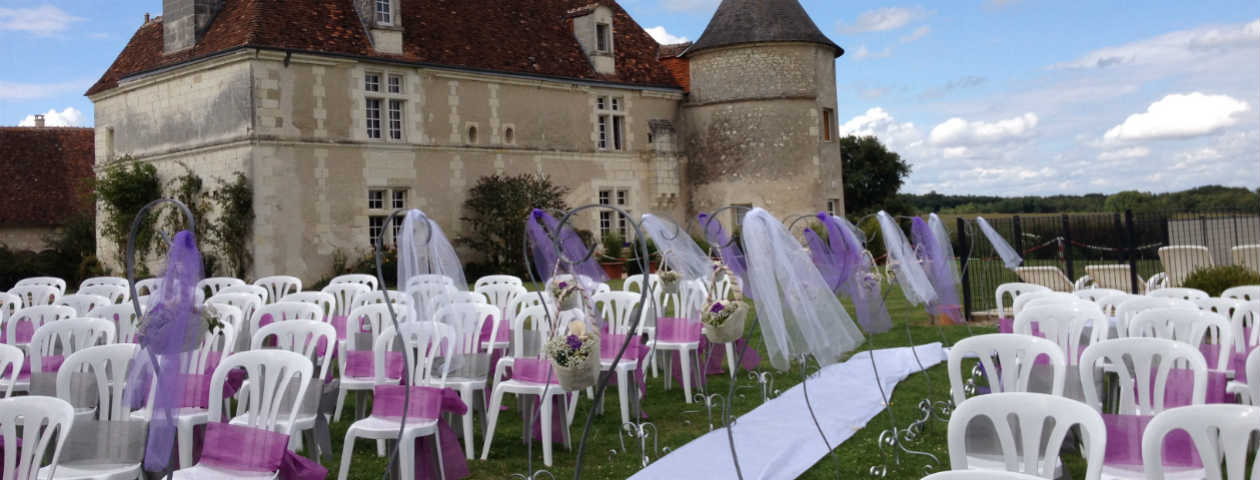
<point x="582" y="375"/>
<point x="669" y="281"/>
<point x="724" y="324"/>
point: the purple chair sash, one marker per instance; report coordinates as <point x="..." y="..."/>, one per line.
<point x="1179" y="389"/>
<point x="359" y="363"/>
<point x="503" y="335"/>
<point x="237" y="447"/>
<point x="24" y="331"/>
<point x="426" y="403"/>
<point x="1007" y="325"/>
<point x="339" y="323"/>
<point x="50" y="363"/>
<point x="1124" y="443"/>
<point x="609" y="344"/>
<point x="681" y="330"/>
<point x="197" y="388"/>
<point x="534" y="370"/>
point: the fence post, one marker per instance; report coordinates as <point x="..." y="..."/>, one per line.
<point x="1067" y="248"/>
<point x="1132" y="235"/>
<point x="966" y="276"/>
<point x="1019" y="238"/>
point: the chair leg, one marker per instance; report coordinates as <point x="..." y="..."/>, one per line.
<point x="684" y="359"/>
<point x="347" y="452"/>
<point x="465" y="394"/>
<point x="492" y="417"/>
<point x="381" y="450"/>
<point x="185" y="441"/>
<point x="437" y="452"/>
<point x="623" y="386"/>
<point x="545" y="414"/>
<point x="730" y="358"/>
<point x="668" y="368"/>
<point x="407" y="458"/>
<point x="341" y="402"/>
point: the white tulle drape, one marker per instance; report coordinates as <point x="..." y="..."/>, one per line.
<point x="942" y="240"/>
<point x="798" y="312"/>
<point x="680" y="251"/>
<point x="903" y="262"/>
<point x="420" y="253"/>
<point x="1009" y="256"/>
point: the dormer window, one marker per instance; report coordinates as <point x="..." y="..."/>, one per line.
<point x="603" y="38"/>
<point x="384" y="12"/>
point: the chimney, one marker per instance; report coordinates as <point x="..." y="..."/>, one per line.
<point x="184" y="22"/>
<point x="146" y="18"/>
<point x="39" y="121"/>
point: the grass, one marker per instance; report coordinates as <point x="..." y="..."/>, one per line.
<point x="679" y="423"/>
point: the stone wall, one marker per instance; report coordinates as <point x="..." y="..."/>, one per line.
<point x="755" y="71"/>
<point x="25" y="238"/>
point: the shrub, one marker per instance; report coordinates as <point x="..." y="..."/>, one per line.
<point x="495" y="214"/>
<point x="125" y="188"/>
<point x="614" y="246"/>
<point x="230" y="234"/>
<point x="1215" y="280"/>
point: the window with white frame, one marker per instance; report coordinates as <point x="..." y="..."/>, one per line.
<point x="384" y="12"/>
<point x="611" y="117"/>
<point x="610" y="221"/>
<point x="833" y="206"/>
<point x="380" y="202"/>
<point x="384" y="106"/>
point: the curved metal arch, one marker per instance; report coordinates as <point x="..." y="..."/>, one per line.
<point x="378" y="246"/>
<point x="131" y="242"/>
<point x="714" y="215"/>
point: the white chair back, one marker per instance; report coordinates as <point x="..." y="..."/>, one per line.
<point x="324" y="301"/>
<point x="424" y="297"/>
<point x="114" y="293"/>
<point x="1127" y="309"/>
<point x="108" y="365"/>
<point x="125" y="319"/>
<point x="530" y="331"/>
<point x="467" y="320"/>
<point x="83" y="303"/>
<point x="9" y="304"/>
<point x="231" y="316"/>
<point x="98" y="281"/>
<point x="35" y="295"/>
<point x="1110" y="304"/>
<point x="500" y="295"/>
<point x="1097" y="294"/>
<point x="148" y="286"/>
<point x="11" y="359"/>
<point x="1023" y="300"/>
<point x="1143" y="365"/>
<point x="261" y="293"/>
<point x="421" y="346"/>
<point x="68" y="336"/>
<point x="42" y="419"/>
<point x="456" y="297"/>
<point x="1015" y="354"/>
<point x="54" y="282"/>
<point x="1187" y="294"/>
<point x="1192" y="327"/>
<point x="344" y="294"/>
<point x="498" y="280"/>
<point x="270" y="374"/>
<point x="376" y="318"/>
<point x="521" y="302"/>
<point x="1019" y="420"/>
<point x="1245" y="323"/>
<point x="37" y="316"/>
<point x="615" y="309"/>
<point x="283" y="311"/>
<point x="211" y="286"/>
<point x="1180" y="261"/>
<point x="1065" y="324"/>
<point x="1217" y="431"/>
<point x="1253" y="376"/>
<point x="303" y="337"/>
<point x="278" y="286"/>
<point x="363" y="279"/>
<point x="1013" y="290"/>
<point x="688" y="302"/>
<point x="378" y="296"/>
<point x="1221" y="306"/>
<point x="1246" y="293"/>
<point x="429" y="279"/>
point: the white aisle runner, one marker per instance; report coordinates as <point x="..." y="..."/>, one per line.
<point x="778" y="440"/>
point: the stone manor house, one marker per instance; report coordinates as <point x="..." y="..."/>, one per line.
<point x="339" y="111"/>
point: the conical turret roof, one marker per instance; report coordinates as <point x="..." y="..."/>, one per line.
<point x="760" y="21"/>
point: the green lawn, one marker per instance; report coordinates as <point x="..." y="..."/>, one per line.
<point x="679" y="423"/>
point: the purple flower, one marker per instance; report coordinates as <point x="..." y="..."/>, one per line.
<point x="564" y="285"/>
<point x="574" y="342"/>
<point x="717" y="307"/>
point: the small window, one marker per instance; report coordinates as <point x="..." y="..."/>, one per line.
<point x="376" y="223"/>
<point x="616" y="104"/>
<point x="651" y="137"/>
<point x="400" y="198"/>
<point x="603" y="132"/>
<point x="833" y="206"/>
<point x="509" y="136"/>
<point x="601" y="102"/>
<point x="395" y="84"/>
<point x="603" y="37"/>
<point x="395" y="119"/>
<point x="472" y="134"/>
<point x="827" y="114"/>
<point x="384" y="14"/>
<point x="376" y="199"/>
<point x="738" y="213"/>
<point x="608" y="220"/>
<point x="372" y="82"/>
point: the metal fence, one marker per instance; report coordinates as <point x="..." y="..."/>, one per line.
<point x="1109" y="250"/>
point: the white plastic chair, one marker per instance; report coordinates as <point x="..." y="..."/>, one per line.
<point x="467" y="321"/>
<point x="424" y="297"/>
<point x="11" y="359"/>
<point x="271" y="372"/>
<point x="343" y="296"/>
<point x="654" y="309"/>
<point x="35" y="295"/>
<point x="1025" y="453"/>
<point x="1246" y="293"/>
<point x="1217" y="431"/>
<point x="9" y="304"/>
<point x="1044" y="297"/>
<point x="1221" y="306"/>
<point x="83" y="304"/>
<point x="148" y="286"/>
<point x="279" y="285"/>
<point x="42" y="419"/>
<point x="1110" y="304"/>
<point x="1180" y="261"/>
<point x="686" y="304"/>
<point x="379" y="428"/>
<point x="1046" y="276"/>
<point x="284" y="311"/>
<point x="1192" y="327"/>
<point x="1188" y="294"/>
<point x="54" y="282"/>
<point x="1071" y="327"/>
<point x="1134" y="359"/>
<point x="261" y="293"/>
<point x="1015" y="357"/>
<point x="379" y="296"/>
<point x="111" y="281"/>
<point x="125" y="319"/>
<point x="429" y="279"/>
<point x="247" y="303"/>
<point x="543" y="393"/>
<point x="1246" y="317"/>
<point x="211" y="286"/>
<point x="303" y="337"/>
<point x="498" y="280"/>
<point x="979" y="475"/>
<point x="366" y="280"/>
<point x="68" y="336"/>
<point x="1248" y="256"/>
<point x="1097" y="294"/>
<point x="453" y="297"/>
<point x="324" y="301"/>
<point x="37" y="316"/>
<point x="500" y="296"/>
<point x="1116" y="276"/>
<point x="1013" y="290"/>
<point x="377" y="319"/>
<point x="1135" y="305"/>
<point x="107" y="365"/>
<point x="114" y="293"/>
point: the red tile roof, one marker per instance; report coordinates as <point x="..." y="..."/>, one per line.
<point x="48" y="168"/>
<point x="516" y="36"/>
<point x="679" y="67"/>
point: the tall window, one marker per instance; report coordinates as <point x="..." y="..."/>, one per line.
<point x="833" y="206"/>
<point x="609" y="221"/>
<point x="603" y="38"/>
<point x="380" y="202"/>
<point x="612" y="122"/>
<point x="384" y="14"/>
<point x="738" y="214"/>
<point x="384" y="105"/>
<point x="827" y="121"/>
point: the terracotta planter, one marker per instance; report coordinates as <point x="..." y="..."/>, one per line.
<point x="614" y="269"/>
<point x="653" y="265"/>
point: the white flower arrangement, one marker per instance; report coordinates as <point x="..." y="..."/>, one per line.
<point x="574" y="348"/>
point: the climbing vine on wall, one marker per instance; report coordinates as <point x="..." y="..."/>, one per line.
<point x="122" y="190"/>
<point x="230" y="233"/>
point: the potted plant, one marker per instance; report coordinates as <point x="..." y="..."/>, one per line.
<point x="613" y="260"/>
<point x="575" y="357"/>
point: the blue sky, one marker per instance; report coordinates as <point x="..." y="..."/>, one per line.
<point x="1006" y="97"/>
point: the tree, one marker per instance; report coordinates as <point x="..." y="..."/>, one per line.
<point x="872" y="174"/>
<point x="495" y="213"/>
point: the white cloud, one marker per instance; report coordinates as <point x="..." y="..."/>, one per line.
<point x="1180" y="116"/>
<point x="883" y="19"/>
<point x="958" y="131"/>
<point x="1124" y="154"/>
<point x="878" y="123"/>
<point x="36" y="91"/>
<point x="917" y="34"/>
<point x="863" y="53"/>
<point x="65" y="118"/>
<point x="1172" y="48"/>
<point x="42" y="20"/>
<point x="955" y="152"/>
<point x="663" y="37"/>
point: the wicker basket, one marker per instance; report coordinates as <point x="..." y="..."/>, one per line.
<point x="581" y="376"/>
<point x="730" y="330"/>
